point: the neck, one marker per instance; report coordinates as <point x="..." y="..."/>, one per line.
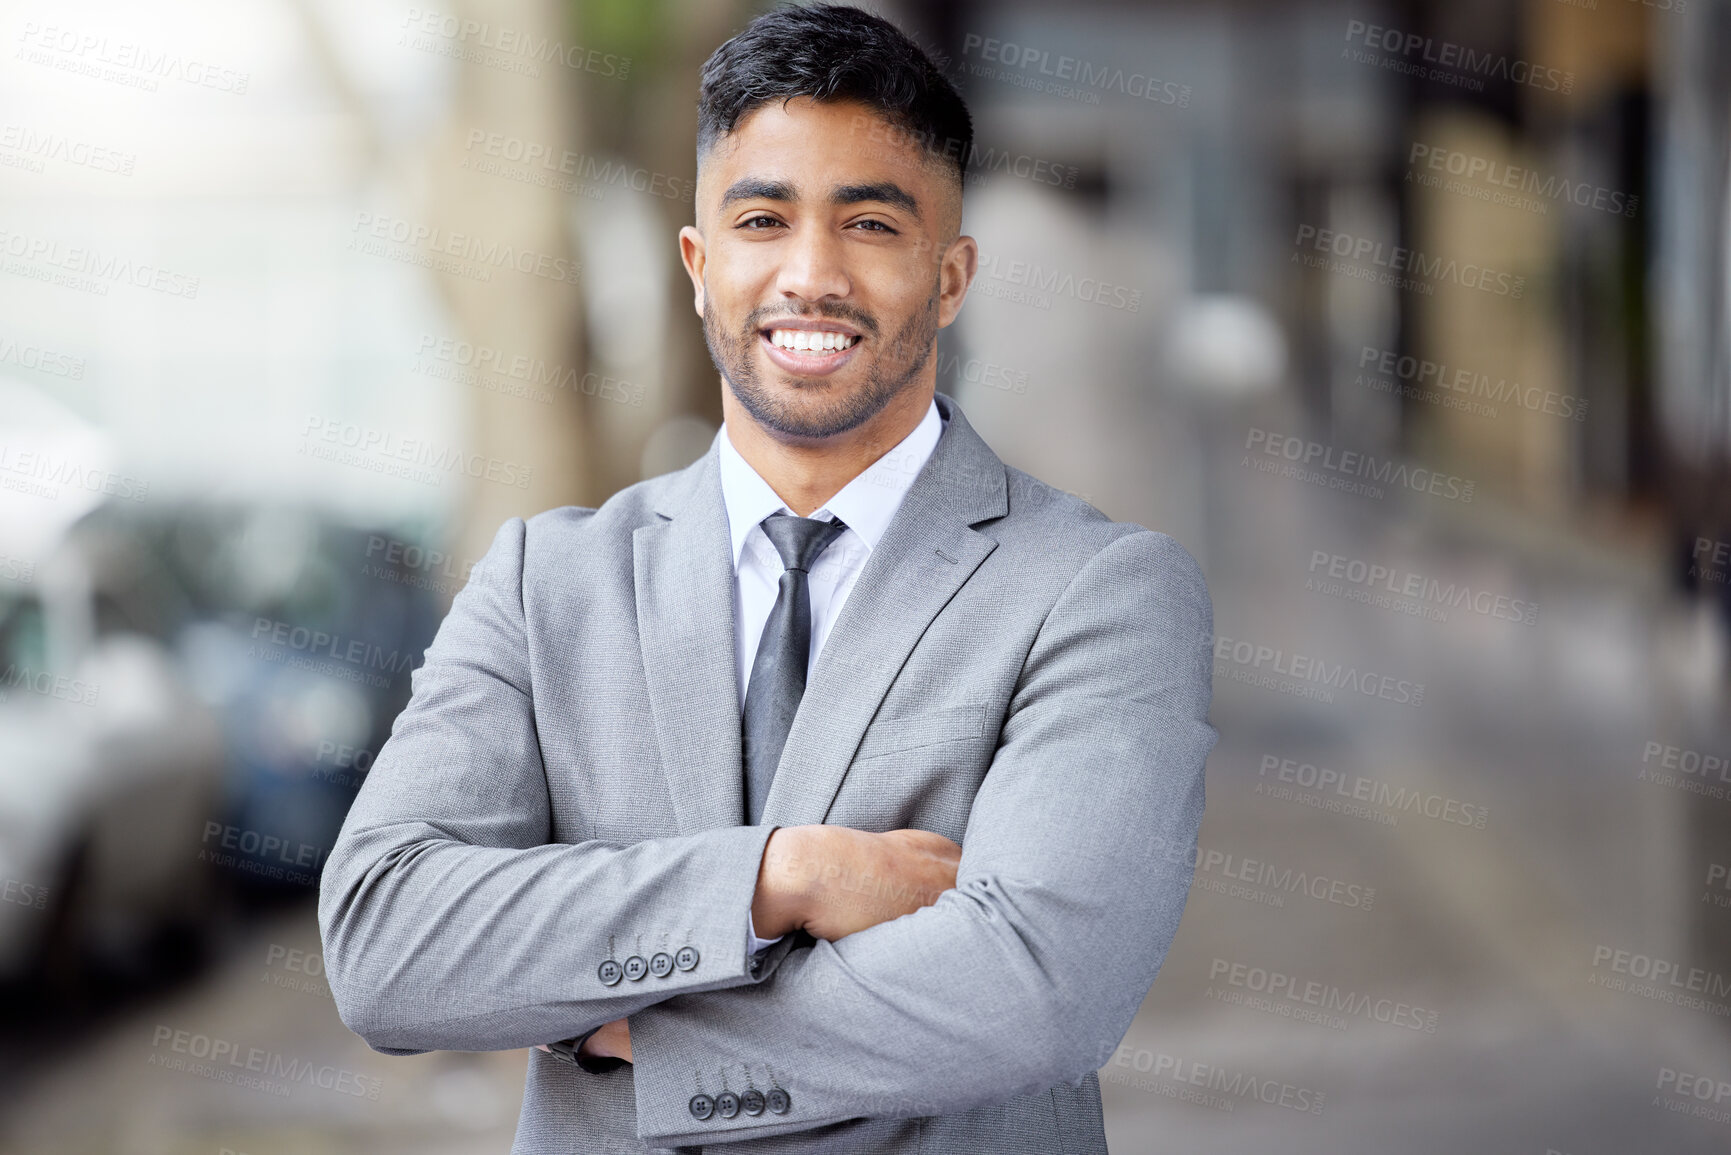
<point x="804" y="472"/>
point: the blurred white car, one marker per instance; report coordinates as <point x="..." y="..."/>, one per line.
<point x="109" y="769"/>
<point x="109" y="765"/>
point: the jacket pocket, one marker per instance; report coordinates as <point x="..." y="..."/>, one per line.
<point x="891" y="735"/>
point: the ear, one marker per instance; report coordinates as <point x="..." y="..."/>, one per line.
<point x="955" y="273"/>
<point x="692" y="253"/>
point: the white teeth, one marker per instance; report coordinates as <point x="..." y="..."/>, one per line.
<point x="808" y="340"/>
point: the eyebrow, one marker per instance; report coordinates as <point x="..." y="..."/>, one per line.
<point x="886" y="192"/>
<point x="752" y="188"/>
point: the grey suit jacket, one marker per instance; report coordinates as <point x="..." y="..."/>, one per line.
<point x="1013" y="670"/>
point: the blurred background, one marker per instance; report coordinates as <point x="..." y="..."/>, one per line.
<point x="1409" y="320"/>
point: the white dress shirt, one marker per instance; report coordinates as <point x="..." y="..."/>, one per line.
<point x="865" y="505"/>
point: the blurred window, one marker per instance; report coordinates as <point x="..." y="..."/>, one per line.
<point x="23" y="635"/>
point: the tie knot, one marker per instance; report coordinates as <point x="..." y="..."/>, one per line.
<point x="800" y="539"/>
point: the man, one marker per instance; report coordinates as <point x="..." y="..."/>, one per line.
<point x="810" y="798"/>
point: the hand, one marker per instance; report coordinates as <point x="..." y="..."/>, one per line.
<point x="832" y="881"/>
<point x="612" y="1041"/>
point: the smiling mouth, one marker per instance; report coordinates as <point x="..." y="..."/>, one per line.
<point x="813" y="343"/>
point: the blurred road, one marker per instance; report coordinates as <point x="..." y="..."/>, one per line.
<point x="253" y="1060"/>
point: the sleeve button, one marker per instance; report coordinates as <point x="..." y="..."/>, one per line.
<point x="777" y="1100"/>
<point x="609" y="973"/>
<point x="727" y="1104"/>
<point x="635" y="967"/>
<point x="686" y="959"/>
<point x="752" y="1102"/>
<point x="702" y="1106"/>
<point x="661" y="965"/>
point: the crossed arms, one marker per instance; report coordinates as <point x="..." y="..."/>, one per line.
<point x="807" y="882"/>
<point x="451" y="922"/>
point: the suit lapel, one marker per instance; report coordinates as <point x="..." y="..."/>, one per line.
<point x="929" y="550"/>
<point x="683" y="573"/>
<point x="684" y="581"/>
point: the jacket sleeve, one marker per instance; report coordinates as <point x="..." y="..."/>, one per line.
<point x="450" y="922"/>
<point x="1075" y="867"/>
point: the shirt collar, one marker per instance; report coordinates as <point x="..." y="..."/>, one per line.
<point x="865" y="505"/>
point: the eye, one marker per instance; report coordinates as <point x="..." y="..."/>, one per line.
<point x="759" y="223"/>
<point x="872" y="226"/>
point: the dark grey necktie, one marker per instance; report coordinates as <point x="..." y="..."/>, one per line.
<point x="778" y="672"/>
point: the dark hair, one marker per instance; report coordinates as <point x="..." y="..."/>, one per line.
<point x="833" y="52"/>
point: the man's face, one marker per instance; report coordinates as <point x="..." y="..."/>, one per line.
<point x="824" y="263"/>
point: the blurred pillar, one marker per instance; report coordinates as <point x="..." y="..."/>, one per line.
<point x="648" y="122"/>
<point x="521" y="315"/>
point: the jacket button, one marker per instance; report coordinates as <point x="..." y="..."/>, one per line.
<point x="686" y="959"/>
<point x="702" y="1106"/>
<point x="635" y="967"/>
<point x="609" y="973"/>
<point x="777" y="1100"/>
<point x="752" y="1102"/>
<point x="661" y="965"/>
<point x="727" y="1104"/>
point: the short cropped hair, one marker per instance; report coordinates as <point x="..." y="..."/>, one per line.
<point x="833" y="52"/>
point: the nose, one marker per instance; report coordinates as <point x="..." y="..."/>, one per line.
<point x="812" y="266"/>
